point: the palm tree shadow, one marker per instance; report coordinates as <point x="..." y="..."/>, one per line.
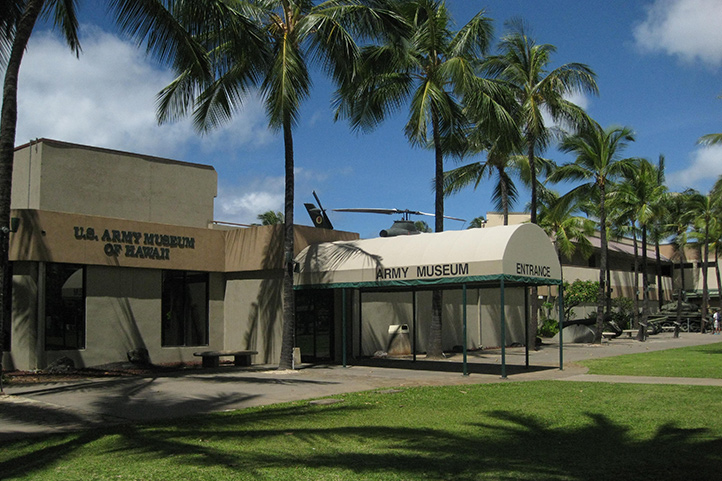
<point x="498" y="445"/>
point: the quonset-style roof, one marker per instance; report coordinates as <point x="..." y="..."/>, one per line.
<point x="519" y="254"/>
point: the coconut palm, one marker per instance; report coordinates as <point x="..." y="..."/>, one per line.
<point x="642" y="195"/>
<point x="558" y="216"/>
<point x="523" y="66"/>
<point x="704" y="211"/>
<point x="147" y="21"/>
<point x="598" y="161"/>
<point x="16" y="25"/>
<point x="270" y="45"/>
<point x="497" y="164"/>
<point x="270" y="217"/>
<point x="677" y="223"/>
<point x="477" y="223"/>
<point x="431" y="69"/>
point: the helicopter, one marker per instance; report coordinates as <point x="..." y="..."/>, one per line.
<point x="403" y="226"/>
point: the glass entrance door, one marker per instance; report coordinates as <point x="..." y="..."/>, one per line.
<point x="314" y="324"/>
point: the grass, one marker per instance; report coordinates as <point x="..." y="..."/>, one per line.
<point x="697" y="361"/>
<point x="543" y="430"/>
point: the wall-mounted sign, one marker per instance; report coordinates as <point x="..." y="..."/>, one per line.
<point x="139" y="245"/>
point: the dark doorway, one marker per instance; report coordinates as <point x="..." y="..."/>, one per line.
<point x="314" y="324"/>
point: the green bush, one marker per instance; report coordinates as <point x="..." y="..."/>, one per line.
<point x="549" y="328"/>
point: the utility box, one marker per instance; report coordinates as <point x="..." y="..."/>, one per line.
<point x="399" y="340"/>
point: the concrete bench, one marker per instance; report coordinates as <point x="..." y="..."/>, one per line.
<point x="609" y="335"/>
<point x="630" y="332"/>
<point x="212" y="358"/>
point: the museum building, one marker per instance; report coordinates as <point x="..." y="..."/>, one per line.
<point x="113" y="252"/>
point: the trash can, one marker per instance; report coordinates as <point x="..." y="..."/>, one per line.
<point x="399" y="342"/>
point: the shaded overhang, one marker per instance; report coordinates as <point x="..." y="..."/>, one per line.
<point x="519" y="254"/>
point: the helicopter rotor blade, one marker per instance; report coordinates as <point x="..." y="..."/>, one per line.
<point x="405" y="212"/>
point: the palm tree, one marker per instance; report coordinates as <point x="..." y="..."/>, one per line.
<point x="17" y="21"/>
<point x="703" y="209"/>
<point x="270" y="44"/>
<point x="147" y="21"/>
<point x="677" y="222"/>
<point x="505" y="192"/>
<point x="658" y="230"/>
<point x="523" y="65"/>
<point x="558" y="216"/>
<point x="431" y="68"/>
<point x="270" y="217"/>
<point x="597" y="161"/>
<point x="477" y="223"/>
<point x="643" y="196"/>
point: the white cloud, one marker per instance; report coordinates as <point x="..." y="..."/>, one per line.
<point x="689" y="29"/>
<point x="705" y="167"/>
<point x="243" y="204"/>
<point x="106" y="98"/>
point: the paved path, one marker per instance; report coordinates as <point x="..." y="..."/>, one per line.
<point x="61" y="406"/>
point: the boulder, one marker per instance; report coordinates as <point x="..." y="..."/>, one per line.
<point x="577" y="334"/>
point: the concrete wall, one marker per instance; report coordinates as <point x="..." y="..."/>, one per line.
<point x="253" y="314"/>
<point x="382" y="309"/>
<point x="64" y="177"/>
<point x="123" y="312"/>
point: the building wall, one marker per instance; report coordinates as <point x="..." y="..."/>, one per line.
<point x="383" y="309"/>
<point x="63" y="177"/>
<point x="253" y="314"/>
<point x="122" y="311"/>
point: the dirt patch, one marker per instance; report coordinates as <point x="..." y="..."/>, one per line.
<point x="108" y="371"/>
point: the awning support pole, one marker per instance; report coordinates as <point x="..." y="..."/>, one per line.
<point x="360" y="323"/>
<point x="503" y="332"/>
<point x="561" y="327"/>
<point x="414" y="323"/>
<point x="463" y="300"/>
<point x="526" y="324"/>
<point x="343" y="325"/>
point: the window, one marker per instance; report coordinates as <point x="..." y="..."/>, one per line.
<point x="185" y="309"/>
<point x="64" y="307"/>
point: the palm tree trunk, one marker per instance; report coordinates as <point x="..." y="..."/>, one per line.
<point x="289" y="310"/>
<point x="641" y="334"/>
<point x="534" y="318"/>
<point x="717" y="274"/>
<point x="504" y="187"/>
<point x="602" y="265"/>
<point x="435" y="350"/>
<point x="8" y="126"/>
<point x="636" y="278"/>
<point x="660" y="292"/>
<point x="705" y="282"/>
<point x="681" y="287"/>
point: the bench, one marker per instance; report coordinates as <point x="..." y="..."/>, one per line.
<point x="629" y="332"/>
<point x="212" y="358"/>
<point x="609" y="335"/>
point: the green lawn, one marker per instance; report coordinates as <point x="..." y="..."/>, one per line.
<point x="546" y="430"/>
<point x="697" y="361"/>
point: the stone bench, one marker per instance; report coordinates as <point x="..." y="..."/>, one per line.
<point x="212" y="358"/>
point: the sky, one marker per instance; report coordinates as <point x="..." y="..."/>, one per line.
<point x="658" y="65"/>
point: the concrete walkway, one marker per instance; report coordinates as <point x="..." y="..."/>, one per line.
<point x="61" y="406"/>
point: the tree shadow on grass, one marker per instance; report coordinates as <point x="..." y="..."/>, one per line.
<point x="308" y="440"/>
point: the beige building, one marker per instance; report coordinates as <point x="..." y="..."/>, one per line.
<point x="113" y="252"/>
<point x="117" y="251"/>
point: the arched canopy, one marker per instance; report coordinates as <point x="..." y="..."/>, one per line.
<point x="518" y="254"/>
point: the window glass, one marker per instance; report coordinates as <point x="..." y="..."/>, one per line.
<point x="64" y="307"/>
<point x="185" y="309"/>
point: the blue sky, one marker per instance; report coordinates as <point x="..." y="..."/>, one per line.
<point x="658" y="64"/>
